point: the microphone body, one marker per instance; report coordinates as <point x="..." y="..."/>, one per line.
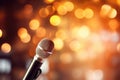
<point x="34" y="69"/>
<point x="43" y="50"/>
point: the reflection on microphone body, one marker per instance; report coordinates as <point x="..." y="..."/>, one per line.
<point x="43" y="50"/>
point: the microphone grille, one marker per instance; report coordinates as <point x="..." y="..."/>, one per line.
<point x="47" y="45"/>
<point x="44" y="48"/>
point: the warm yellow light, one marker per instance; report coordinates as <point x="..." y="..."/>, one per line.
<point x="41" y="32"/>
<point x="113" y="24"/>
<point x="105" y="9"/>
<point x="79" y="13"/>
<point x="113" y="13"/>
<point x="62" y="10"/>
<point x="81" y="32"/>
<point x="69" y="5"/>
<point x="61" y="34"/>
<point x="88" y="13"/>
<point x="84" y="31"/>
<point x="59" y="44"/>
<point x="75" y="45"/>
<point x="34" y="24"/>
<point x="66" y="58"/>
<point x="98" y="47"/>
<point x="55" y="20"/>
<point x="1" y="33"/>
<point x="49" y="1"/>
<point x="22" y="32"/>
<point x="82" y="56"/>
<point x="43" y="12"/>
<point x="6" y="47"/>
<point x="50" y="9"/>
<point x="26" y="39"/>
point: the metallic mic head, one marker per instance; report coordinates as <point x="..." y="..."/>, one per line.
<point x="44" y="48"/>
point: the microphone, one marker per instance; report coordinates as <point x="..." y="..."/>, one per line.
<point x="43" y="50"/>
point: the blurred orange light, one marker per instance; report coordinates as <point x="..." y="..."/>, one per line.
<point x="82" y="56"/>
<point x="113" y="13"/>
<point x="61" y="10"/>
<point x="118" y="47"/>
<point x="35" y="39"/>
<point x="81" y="32"/>
<point x="113" y="24"/>
<point x="59" y="44"/>
<point x="105" y="9"/>
<point x="22" y="32"/>
<point x="43" y="12"/>
<point x="49" y="1"/>
<point x="66" y="58"/>
<point x="118" y="2"/>
<point x="108" y="11"/>
<point x="55" y="20"/>
<point x="79" y="13"/>
<point x="69" y="5"/>
<point x="41" y="32"/>
<point x="75" y="45"/>
<point x="50" y="9"/>
<point x="28" y="9"/>
<point x="98" y="47"/>
<point x="88" y="13"/>
<point x="34" y="24"/>
<point x="1" y="33"/>
<point x="26" y="39"/>
<point x="6" y="47"/>
<point x="61" y="34"/>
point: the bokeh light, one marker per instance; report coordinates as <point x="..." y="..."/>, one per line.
<point x="113" y="13"/>
<point x="79" y="13"/>
<point x="58" y="43"/>
<point x="41" y="32"/>
<point x="55" y="20"/>
<point x="22" y="32"/>
<point x="43" y="12"/>
<point x="62" y="10"/>
<point x="108" y="11"/>
<point x="118" y="47"/>
<point x="105" y="9"/>
<point x="81" y="32"/>
<point x="34" y="24"/>
<point x="1" y="33"/>
<point x="49" y="1"/>
<point x="66" y="58"/>
<point x="113" y="24"/>
<point x="6" y="47"/>
<point x="118" y="2"/>
<point x="88" y="13"/>
<point x="26" y="39"/>
<point x="75" y="45"/>
<point x="5" y="66"/>
<point x="82" y="56"/>
<point x="69" y="6"/>
<point x="61" y="34"/>
<point x="94" y="75"/>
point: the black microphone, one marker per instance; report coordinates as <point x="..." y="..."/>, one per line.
<point x="43" y="50"/>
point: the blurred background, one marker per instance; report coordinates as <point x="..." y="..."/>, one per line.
<point x="85" y="34"/>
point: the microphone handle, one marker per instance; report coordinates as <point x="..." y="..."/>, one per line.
<point x="34" y="70"/>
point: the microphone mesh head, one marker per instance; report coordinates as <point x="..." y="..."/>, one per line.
<point x="44" y="48"/>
